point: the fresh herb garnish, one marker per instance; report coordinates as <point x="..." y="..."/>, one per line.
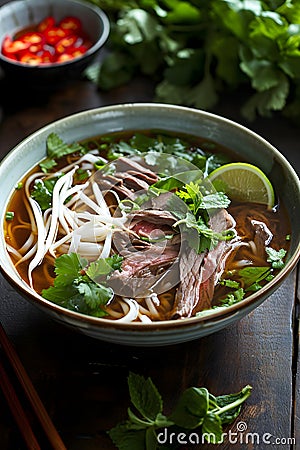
<point x="19" y="186"/>
<point x="196" y="409"/>
<point x="199" y="202"/>
<point x="42" y="192"/>
<point x="196" y="51"/>
<point x="76" y="285"/>
<point x="9" y="215"/>
<point x="56" y="148"/>
<point x="152" y="147"/>
<point x="276" y="257"/>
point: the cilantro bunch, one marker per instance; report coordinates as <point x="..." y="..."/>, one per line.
<point x="196" y="50"/>
<point x="200" y="202"/>
<point x="197" y="409"/>
<point x="80" y="286"/>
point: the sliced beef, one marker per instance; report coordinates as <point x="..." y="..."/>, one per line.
<point x="199" y="273"/>
<point x="132" y="167"/>
<point x="153" y="216"/>
<point x="142" y="270"/>
<point x="128" y="178"/>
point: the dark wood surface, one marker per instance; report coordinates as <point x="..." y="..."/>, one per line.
<point x="82" y="381"/>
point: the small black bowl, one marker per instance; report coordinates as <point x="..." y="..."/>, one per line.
<point x="19" y="14"/>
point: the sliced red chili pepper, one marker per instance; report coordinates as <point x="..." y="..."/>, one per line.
<point x="66" y="42"/>
<point x="54" y="34"/>
<point x="13" y="47"/>
<point x="48" y="42"/>
<point x="70" y="23"/>
<point x="47" y="57"/>
<point x="45" y="24"/>
<point x="76" y="51"/>
<point x="64" y="57"/>
<point x="30" y="58"/>
<point x="33" y="37"/>
<point x="35" y="48"/>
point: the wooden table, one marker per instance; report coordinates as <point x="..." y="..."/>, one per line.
<point x="82" y="381"/>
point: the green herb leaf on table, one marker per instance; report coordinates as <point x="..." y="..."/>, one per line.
<point x="197" y="409"/>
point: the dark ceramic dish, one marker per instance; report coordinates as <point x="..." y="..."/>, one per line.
<point x="17" y="15"/>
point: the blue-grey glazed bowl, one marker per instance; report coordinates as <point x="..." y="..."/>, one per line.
<point x="19" y="14"/>
<point x="124" y="117"/>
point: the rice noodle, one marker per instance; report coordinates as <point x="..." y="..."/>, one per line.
<point x="132" y="311"/>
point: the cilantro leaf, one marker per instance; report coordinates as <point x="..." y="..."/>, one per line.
<point x="196" y="51"/>
<point x="68" y="268"/>
<point x="233" y="297"/>
<point x="56" y="148"/>
<point x="103" y="266"/>
<point x="42" y="192"/>
<point x="276" y="257"/>
<point x="74" y="289"/>
<point x="94" y="294"/>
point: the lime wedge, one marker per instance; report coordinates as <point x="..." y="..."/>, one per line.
<point x="243" y="182"/>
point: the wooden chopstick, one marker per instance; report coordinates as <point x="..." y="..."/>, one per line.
<point x="17" y="411"/>
<point x="32" y="395"/>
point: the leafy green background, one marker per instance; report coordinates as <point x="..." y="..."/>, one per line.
<point x="197" y="50"/>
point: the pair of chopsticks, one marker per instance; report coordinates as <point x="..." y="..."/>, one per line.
<point x="32" y="396"/>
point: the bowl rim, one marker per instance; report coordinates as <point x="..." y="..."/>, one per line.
<point x="251" y="302"/>
<point x="90" y="51"/>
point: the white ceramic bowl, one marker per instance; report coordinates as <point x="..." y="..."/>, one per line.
<point x="169" y="118"/>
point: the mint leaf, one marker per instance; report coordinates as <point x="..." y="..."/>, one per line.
<point x="125" y="438"/>
<point x="224" y="400"/>
<point x="191" y="408"/>
<point x="196" y="408"/>
<point x="144" y="396"/>
<point x="212" y="429"/>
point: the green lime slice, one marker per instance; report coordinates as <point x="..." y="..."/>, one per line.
<point x="243" y="182"/>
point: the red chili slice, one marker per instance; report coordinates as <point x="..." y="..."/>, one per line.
<point x="13" y="47"/>
<point x="30" y="58"/>
<point x="64" y="57"/>
<point x="33" y="38"/>
<point x="77" y="51"/>
<point x="48" y="42"/>
<point x="47" y="57"/>
<point x="45" y="24"/>
<point x="54" y="34"/>
<point x="66" y="42"/>
<point x="70" y="23"/>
